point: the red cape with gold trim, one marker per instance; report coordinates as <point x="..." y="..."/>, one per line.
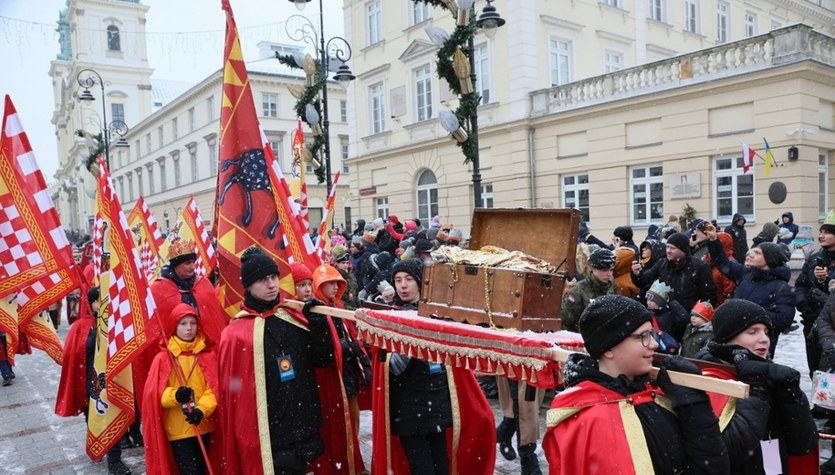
<point x="586" y="447"/>
<point x="212" y="319"/>
<point x="804" y="464"/>
<point x="159" y="458"/>
<point x="238" y="406"/>
<point x="471" y="441"/>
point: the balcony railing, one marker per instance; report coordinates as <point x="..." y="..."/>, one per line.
<point x="781" y="46"/>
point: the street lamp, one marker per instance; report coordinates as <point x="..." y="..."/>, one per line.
<point x="335" y="48"/>
<point x="488" y="21"/>
<point x="88" y="78"/>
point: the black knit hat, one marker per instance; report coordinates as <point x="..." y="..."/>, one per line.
<point x="413" y="267"/>
<point x="734" y="316"/>
<point x="775" y="254"/>
<point x="681" y="241"/>
<point x="608" y="320"/>
<point x="423" y="245"/>
<point x="255" y="265"/>
<point x="624" y="233"/>
<point x="93" y="295"/>
<point x="602" y="258"/>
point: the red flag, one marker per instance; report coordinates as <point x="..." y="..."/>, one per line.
<point x="206" y="257"/>
<point x="252" y="209"/>
<point x="129" y="327"/>
<point x="748" y="155"/>
<point x="128" y="308"/>
<point x="33" y="244"/>
<point x="323" y="226"/>
<point x="37" y="267"/>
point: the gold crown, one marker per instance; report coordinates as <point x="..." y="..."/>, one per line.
<point x="181" y="247"/>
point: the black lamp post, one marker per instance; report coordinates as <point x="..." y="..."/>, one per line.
<point x="489" y="21"/>
<point x="88" y="78"/>
<point x="337" y="47"/>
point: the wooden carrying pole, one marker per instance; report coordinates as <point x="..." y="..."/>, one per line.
<point x="735" y="389"/>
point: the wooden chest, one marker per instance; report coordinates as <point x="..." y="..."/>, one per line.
<point x="511" y="299"/>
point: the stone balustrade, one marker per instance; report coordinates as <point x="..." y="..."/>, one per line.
<point x="781" y="46"/>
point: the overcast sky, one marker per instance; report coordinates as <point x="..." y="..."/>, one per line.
<point x="185" y="42"/>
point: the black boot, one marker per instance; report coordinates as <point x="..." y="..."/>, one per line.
<point x="530" y="464"/>
<point x="504" y="437"/>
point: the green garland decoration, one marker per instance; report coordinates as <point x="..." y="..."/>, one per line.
<point x="98" y="141"/>
<point x="467" y="103"/>
<point x="310" y="96"/>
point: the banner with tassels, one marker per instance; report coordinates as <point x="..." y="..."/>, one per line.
<point x="519" y="356"/>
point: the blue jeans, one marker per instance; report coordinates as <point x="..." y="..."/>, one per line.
<point x="5" y="368"/>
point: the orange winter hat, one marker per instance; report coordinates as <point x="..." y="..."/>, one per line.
<point x="703" y="310"/>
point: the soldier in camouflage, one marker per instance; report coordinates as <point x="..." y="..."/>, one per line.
<point x="597" y="283"/>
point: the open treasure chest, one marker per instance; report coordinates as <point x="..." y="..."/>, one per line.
<point x="516" y="292"/>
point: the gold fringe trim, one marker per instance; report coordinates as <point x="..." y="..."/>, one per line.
<point x="261" y="395"/>
<point x="456" y="420"/>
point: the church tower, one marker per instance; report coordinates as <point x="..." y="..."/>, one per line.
<point x="103" y="47"/>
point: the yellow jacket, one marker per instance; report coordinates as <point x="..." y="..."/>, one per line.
<point x="176" y="426"/>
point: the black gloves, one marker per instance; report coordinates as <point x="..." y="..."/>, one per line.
<point x="195" y="416"/>
<point x="577" y="365"/>
<point x="679" y="395"/>
<point x="308" y="304"/>
<point x="183" y="394"/>
<point x="351" y="348"/>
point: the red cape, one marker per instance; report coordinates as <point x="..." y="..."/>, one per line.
<point x="212" y="319"/>
<point x="167" y="296"/>
<point x="237" y="400"/>
<point x="586" y="445"/>
<point x="471" y="441"/>
<point x="159" y="458"/>
<point x="72" y="390"/>
<point x="803" y="464"/>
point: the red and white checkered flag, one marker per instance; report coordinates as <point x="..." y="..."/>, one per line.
<point x="131" y="306"/>
<point x="148" y="239"/>
<point x="206" y="258"/>
<point x="33" y="244"/>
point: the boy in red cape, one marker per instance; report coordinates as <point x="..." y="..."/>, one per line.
<point x="72" y="396"/>
<point x="179" y="398"/>
<point x="611" y="419"/>
<point x="466" y="420"/>
<point x="270" y="410"/>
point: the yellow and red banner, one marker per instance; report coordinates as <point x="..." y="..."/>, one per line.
<point x="254" y="206"/>
<point x="126" y="327"/>
<point x="189" y="227"/>
<point x="147" y="238"/>
<point x="298" y="182"/>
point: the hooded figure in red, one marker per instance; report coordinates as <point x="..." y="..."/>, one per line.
<point x="180" y="397"/>
<point x="352" y="361"/>
<point x="72" y="396"/>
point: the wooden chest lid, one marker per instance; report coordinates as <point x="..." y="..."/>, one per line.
<point x="549" y="234"/>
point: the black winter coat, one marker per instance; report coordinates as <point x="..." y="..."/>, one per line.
<point x="768" y="288"/>
<point x="293" y="408"/>
<point x="691" y="280"/>
<point x="740" y="238"/>
<point x="689" y="443"/>
<point x="825" y="325"/>
<point x="756" y="419"/>
<point x="809" y="294"/>
<point x="420" y="402"/>
<point x="672" y="319"/>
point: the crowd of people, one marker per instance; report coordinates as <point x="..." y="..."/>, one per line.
<point x="278" y="389"/>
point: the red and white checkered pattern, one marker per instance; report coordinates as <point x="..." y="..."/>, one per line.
<point x="149" y="260"/>
<point x="206" y="257"/>
<point x="32" y="240"/>
<point x="131" y="306"/>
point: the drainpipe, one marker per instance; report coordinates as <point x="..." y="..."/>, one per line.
<point x="531" y="167"/>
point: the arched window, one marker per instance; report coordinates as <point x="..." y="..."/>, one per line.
<point x="427" y="196"/>
<point x="113" y="40"/>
